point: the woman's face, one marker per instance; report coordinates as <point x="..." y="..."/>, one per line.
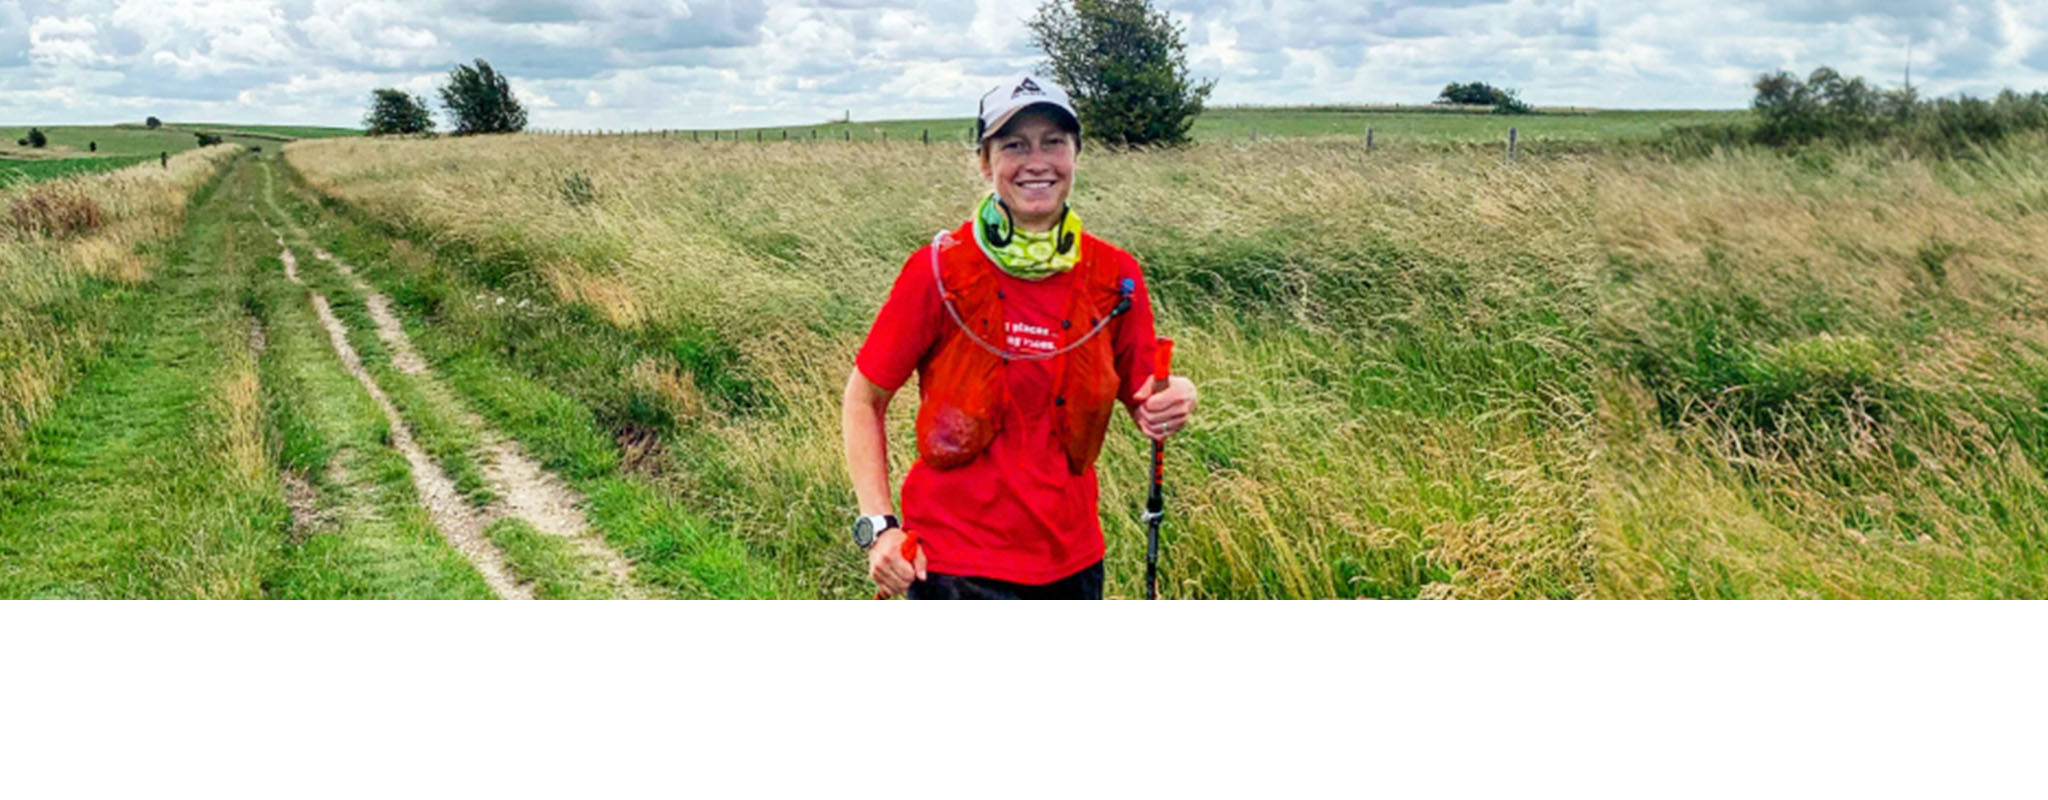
<point x="1031" y="162"/>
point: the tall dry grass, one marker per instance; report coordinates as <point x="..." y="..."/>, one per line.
<point x="58" y="273"/>
<point x="1423" y="373"/>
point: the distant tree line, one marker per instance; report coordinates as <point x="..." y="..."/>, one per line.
<point x="1829" y="107"/>
<point x="476" y="98"/>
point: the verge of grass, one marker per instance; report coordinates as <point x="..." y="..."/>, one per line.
<point x="151" y="479"/>
<point x="59" y="295"/>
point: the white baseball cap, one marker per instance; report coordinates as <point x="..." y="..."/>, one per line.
<point x="1016" y="94"/>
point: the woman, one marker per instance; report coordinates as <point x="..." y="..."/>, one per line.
<point x="1024" y="333"/>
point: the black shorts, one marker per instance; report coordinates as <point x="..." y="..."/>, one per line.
<point x="1083" y="585"/>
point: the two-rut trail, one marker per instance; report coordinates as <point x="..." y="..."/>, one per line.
<point x="524" y="489"/>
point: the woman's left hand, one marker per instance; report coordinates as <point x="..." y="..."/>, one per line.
<point x="1160" y="413"/>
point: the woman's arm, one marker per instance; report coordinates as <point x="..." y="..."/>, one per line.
<point x="863" y="414"/>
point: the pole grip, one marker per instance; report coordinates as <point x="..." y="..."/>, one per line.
<point x="909" y="552"/>
<point x="1162" y="363"/>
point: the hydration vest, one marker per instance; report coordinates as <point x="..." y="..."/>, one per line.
<point x="962" y="389"/>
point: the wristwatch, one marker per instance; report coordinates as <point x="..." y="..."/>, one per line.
<point x="865" y="529"/>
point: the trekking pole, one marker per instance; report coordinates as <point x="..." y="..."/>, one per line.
<point x="1155" y="504"/>
<point x="909" y="554"/>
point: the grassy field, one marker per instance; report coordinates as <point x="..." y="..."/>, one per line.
<point x="289" y="131"/>
<point x="13" y="172"/>
<point x="72" y="141"/>
<point x="1583" y="375"/>
<point x="1596" y="372"/>
<point x="1391" y="127"/>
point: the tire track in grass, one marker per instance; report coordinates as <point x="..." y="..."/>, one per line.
<point x="524" y="490"/>
<point x="465" y="531"/>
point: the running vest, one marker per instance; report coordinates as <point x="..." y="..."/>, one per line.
<point x="962" y="390"/>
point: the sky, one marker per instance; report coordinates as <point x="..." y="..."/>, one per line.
<point x="636" y="64"/>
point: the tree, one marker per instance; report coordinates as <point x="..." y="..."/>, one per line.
<point x="1481" y="93"/>
<point x="153" y="123"/>
<point x="1826" y="104"/>
<point x="36" y="138"/>
<point x="1125" y="66"/>
<point x="479" y="100"/>
<point x="393" y="111"/>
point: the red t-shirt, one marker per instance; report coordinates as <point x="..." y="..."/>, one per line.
<point x="1014" y="513"/>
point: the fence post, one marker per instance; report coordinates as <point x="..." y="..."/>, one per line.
<point x="785" y="134"/>
<point x="757" y="134"/>
<point x="1368" y="138"/>
<point x="849" y="134"/>
<point x="693" y="136"/>
<point x="1255" y="133"/>
<point x="1511" y="145"/>
<point x="927" y="135"/>
<point x="885" y="136"/>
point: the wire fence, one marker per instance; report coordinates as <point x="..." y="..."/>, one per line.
<point x="845" y="134"/>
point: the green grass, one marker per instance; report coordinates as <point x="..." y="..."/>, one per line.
<point x="146" y="481"/>
<point x="291" y="131"/>
<point x="551" y="562"/>
<point x="1391" y="126"/>
<point x="71" y="141"/>
<point x="13" y="172"/>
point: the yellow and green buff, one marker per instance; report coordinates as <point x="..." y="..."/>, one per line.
<point x="1024" y="254"/>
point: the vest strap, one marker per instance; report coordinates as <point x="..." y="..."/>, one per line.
<point x="945" y="238"/>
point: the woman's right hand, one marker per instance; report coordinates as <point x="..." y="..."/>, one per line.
<point x="891" y="572"/>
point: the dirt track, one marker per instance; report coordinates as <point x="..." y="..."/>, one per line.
<point x="524" y="490"/>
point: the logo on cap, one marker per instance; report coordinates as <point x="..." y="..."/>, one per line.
<point x="1027" y="87"/>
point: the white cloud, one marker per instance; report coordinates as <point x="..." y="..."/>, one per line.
<point x="725" y="63"/>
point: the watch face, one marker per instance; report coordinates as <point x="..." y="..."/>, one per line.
<point x="864" y="531"/>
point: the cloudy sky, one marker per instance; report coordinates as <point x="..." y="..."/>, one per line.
<point x="728" y="63"/>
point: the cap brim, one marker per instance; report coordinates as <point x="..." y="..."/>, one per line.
<point x="992" y="129"/>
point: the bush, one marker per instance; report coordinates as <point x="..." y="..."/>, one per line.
<point x="1125" y="65"/>
<point x="36" y="138"/>
<point x="153" y="123"/>
<point x="479" y="100"/>
<point x="55" y="211"/>
<point x="207" y="139"/>
<point x="1481" y="93"/>
<point x="395" y="112"/>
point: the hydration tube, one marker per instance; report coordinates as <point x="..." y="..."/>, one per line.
<point x="1123" y="304"/>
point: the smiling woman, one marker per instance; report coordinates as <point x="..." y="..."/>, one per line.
<point x="1024" y="333"/>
